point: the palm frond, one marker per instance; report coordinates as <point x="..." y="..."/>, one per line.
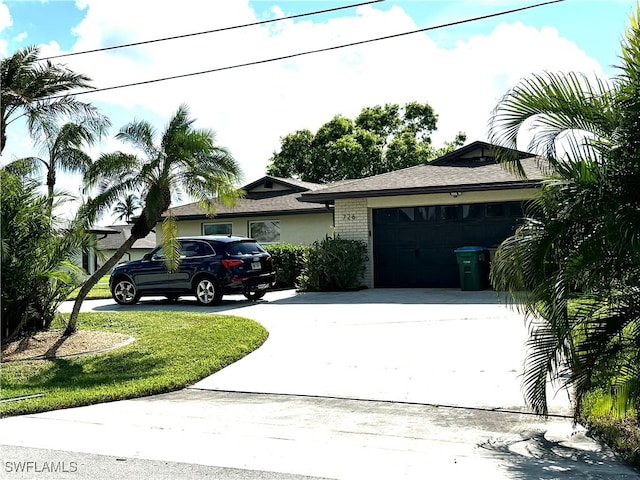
<point x="553" y="110"/>
<point x="170" y="244"/>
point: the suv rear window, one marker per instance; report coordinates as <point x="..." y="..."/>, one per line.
<point x="243" y="248"/>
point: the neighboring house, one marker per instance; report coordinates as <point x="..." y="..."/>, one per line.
<point x="413" y="219"/>
<point x="269" y="212"/>
<point x="89" y="260"/>
<point x="109" y="243"/>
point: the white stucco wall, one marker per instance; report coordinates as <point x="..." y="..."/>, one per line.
<point x="136" y="254"/>
<point x="301" y="229"/>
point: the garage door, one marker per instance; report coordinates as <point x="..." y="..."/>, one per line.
<point x="414" y="246"/>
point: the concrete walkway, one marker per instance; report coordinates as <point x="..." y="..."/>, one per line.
<point x="371" y="384"/>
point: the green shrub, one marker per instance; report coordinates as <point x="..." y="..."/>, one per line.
<point x="334" y="264"/>
<point x="36" y="274"/>
<point x="288" y="260"/>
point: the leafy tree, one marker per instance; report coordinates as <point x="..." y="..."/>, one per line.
<point x="40" y="91"/>
<point x="127" y="208"/>
<point x="379" y="140"/>
<point x="185" y="159"/>
<point x="63" y="147"/>
<point x="573" y="267"/>
<point x="37" y="275"/>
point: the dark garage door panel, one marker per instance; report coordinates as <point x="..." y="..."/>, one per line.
<point x="410" y="251"/>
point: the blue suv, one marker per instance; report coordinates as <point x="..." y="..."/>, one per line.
<point x="210" y="266"/>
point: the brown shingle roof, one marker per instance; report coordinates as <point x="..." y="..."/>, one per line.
<point x="430" y="178"/>
<point x="282" y="204"/>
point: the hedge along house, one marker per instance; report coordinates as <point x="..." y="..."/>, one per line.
<point x="413" y="219"/>
<point x="269" y="212"/>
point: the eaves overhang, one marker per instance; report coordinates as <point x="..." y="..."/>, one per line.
<point x="265" y="213"/>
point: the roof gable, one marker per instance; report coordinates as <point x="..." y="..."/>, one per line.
<point x="476" y="154"/>
<point x="270" y="186"/>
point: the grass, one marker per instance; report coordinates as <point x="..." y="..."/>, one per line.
<point x="622" y="434"/>
<point x="99" y="290"/>
<point x="172" y="350"/>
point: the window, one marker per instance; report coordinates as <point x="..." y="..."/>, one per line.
<point x="495" y="210"/>
<point x="515" y="210"/>
<point x="267" y="231"/>
<point x="475" y="210"/>
<point x="216" y="229"/>
<point x="406" y="215"/>
<point x="384" y="216"/>
<point x="244" y="248"/>
<point x="429" y="214"/>
<point x="157" y="254"/>
<point x="449" y="212"/>
<point x="190" y="248"/>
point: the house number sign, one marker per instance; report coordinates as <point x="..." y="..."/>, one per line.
<point x="349" y="217"/>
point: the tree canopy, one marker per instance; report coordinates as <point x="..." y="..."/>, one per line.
<point x="381" y="139"/>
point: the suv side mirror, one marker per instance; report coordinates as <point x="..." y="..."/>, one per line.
<point x="147" y="256"/>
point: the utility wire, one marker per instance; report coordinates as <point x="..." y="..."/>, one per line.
<point x="222" y="29"/>
<point x="310" y="52"/>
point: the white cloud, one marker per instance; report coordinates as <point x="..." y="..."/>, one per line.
<point x="5" y="22"/>
<point x="20" y="37"/>
<point x="5" y="17"/>
<point x="252" y="107"/>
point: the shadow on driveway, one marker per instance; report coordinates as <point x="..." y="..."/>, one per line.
<point x="388" y="296"/>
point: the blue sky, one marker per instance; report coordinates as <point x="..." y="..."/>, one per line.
<point x="461" y="71"/>
<point x="594" y="25"/>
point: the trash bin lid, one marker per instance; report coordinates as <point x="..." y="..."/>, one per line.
<point x="469" y="249"/>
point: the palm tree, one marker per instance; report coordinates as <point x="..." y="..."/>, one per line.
<point x="36" y="273"/>
<point x="573" y="267"/>
<point x="185" y="160"/>
<point x="127" y="208"/>
<point x="63" y="149"/>
<point x="39" y="91"/>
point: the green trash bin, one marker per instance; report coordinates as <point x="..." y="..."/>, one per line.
<point x="473" y="265"/>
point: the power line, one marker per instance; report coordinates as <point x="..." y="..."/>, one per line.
<point x="222" y="29"/>
<point x="319" y="50"/>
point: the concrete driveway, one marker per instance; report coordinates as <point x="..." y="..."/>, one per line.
<point x="371" y="384"/>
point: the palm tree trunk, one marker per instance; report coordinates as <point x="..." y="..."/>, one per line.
<point x="51" y="182"/>
<point x="3" y="132"/>
<point x="93" y="279"/>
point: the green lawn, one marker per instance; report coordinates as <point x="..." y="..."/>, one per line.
<point x="172" y="350"/>
<point x="620" y="433"/>
<point x="99" y="290"/>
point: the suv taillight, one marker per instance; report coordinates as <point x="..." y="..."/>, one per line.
<point x="231" y="263"/>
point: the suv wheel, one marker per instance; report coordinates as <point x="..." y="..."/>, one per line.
<point x="125" y="293"/>
<point x="206" y="292"/>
